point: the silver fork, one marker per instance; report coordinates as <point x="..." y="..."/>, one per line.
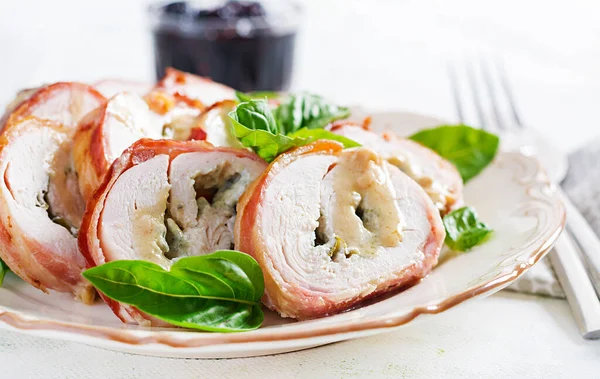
<point x="490" y="87"/>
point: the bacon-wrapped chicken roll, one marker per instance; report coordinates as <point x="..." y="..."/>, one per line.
<point x="332" y="227"/>
<point x="41" y="207"/>
<point x="166" y="199"/>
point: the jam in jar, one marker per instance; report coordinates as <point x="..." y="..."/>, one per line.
<point x="247" y="45"/>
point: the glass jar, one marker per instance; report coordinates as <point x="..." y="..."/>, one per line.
<point x="248" y="45"/>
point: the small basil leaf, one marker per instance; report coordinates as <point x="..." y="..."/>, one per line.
<point x="307" y="111"/>
<point x="268" y="146"/>
<point x="211" y="292"/>
<point x="3" y="270"/>
<point x="255" y="115"/>
<point x="464" y="230"/>
<point x="311" y="135"/>
<point x="254" y="125"/>
<point x="264" y="143"/>
<point x="242" y="97"/>
<point x="469" y="149"/>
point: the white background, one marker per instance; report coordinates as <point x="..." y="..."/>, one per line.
<point x="383" y="54"/>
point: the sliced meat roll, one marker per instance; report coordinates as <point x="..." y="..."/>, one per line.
<point x="179" y="114"/>
<point x="41" y="208"/>
<point x="111" y="87"/>
<point x="106" y="132"/>
<point x="214" y="125"/>
<point x="166" y="199"/>
<point x="64" y="102"/>
<point x="437" y="176"/>
<point x="194" y="88"/>
<point x="332" y="227"/>
<point x="20" y="97"/>
<point x="181" y="97"/>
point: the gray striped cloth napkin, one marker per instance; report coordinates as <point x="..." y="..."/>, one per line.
<point x="582" y="185"/>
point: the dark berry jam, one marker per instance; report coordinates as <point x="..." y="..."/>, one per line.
<point x="243" y="44"/>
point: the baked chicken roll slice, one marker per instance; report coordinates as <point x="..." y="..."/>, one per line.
<point x="111" y="87"/>
<point x="165" y="199"/>
<point x="106" y="132"/>
<point x="438" y="177"/>
<point x="63" y="102"/>
<point x="181" y="97"/>
<point x="203" y="91"/>
<point x="331" y="228"/>
<point x="41" y="208"/>
<point x="214" y="125"/>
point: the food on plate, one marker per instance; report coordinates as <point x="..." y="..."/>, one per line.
<point x="110" y="87"/>
<point x="438" y="177"/>
<point x="20" y="97"/>
<point x="214" y="125"/>
<point x="63" y="102"/>
<point x="332" y="227"/>
<point x="201" y="91"/>
<point x="164" y="200"/>
<point x="180" y="98"/>
<point x="41" y="207"/>
<point x="106" y="132"/>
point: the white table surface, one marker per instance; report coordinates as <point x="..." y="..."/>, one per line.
<point x="385" y="55"/>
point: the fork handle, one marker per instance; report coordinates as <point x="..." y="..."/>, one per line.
<point x="577" y="286"/>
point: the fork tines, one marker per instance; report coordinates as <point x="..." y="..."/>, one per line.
<point x="490" y="94"/>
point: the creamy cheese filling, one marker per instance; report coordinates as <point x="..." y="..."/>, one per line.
<point x="416" y="161"/>
<point x="437" y="191"/>
<point x="358" y="206"/>
<point x="178" y="123"/>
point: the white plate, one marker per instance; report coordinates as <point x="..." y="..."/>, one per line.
<point x="513" y="195"/>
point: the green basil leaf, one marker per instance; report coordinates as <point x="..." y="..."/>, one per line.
<point x="469" y="149"/>
<point x="239" y="272"/>
<point x="3" y="270"/>
<point x="464" y="230"/>
<point x="255" y="115"/>
<point x="311" y="135"/>
<point x="254" y="125"/>
<point x="264" y="143"/>
<point x="268" y="146"/>
<point x="215" y="292"/>
<point x="307" y="111"/>
<point x="245" y="97"/>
